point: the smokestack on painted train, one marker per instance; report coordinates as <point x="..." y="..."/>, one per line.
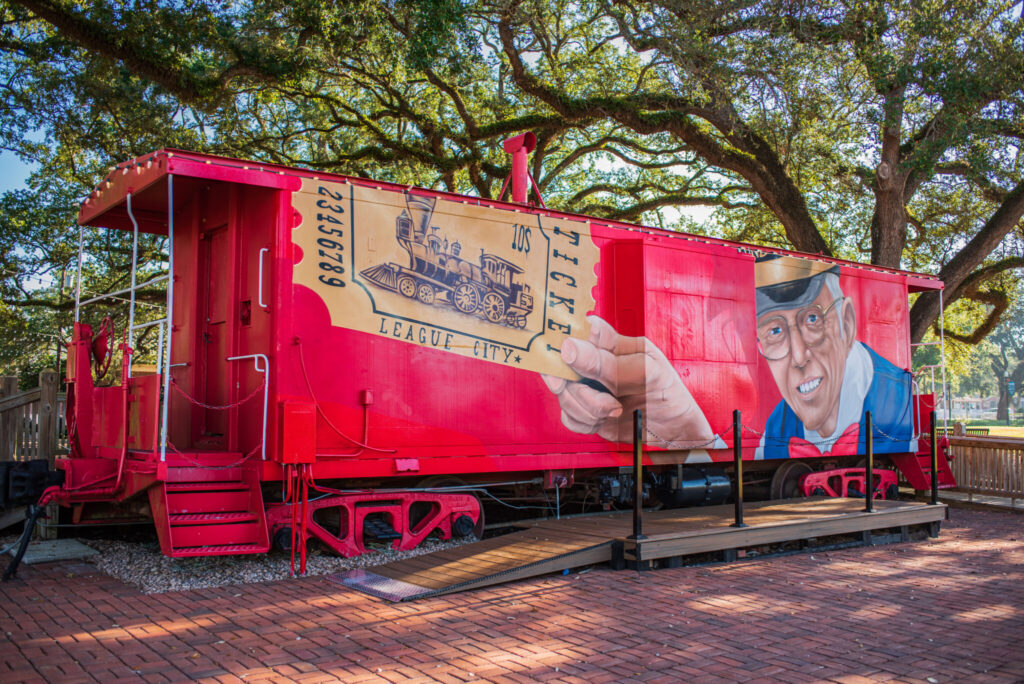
<point x="421" y="209"/>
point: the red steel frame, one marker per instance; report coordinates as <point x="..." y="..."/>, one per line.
<point x="234" y="297"/>
<point x="843" y="482"/>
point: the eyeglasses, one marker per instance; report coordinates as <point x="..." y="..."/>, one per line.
<point x="773" y="340"/>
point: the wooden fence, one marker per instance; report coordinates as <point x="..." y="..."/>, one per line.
<point x="992" y="466"/>
<point x="958" y="429"/>
<point x="32" y="422"/>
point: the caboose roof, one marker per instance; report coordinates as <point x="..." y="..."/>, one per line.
<point x="145" y="178"/>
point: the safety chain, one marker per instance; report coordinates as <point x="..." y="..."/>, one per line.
<point x="670" y="444"/>
<point x="211" y="407"/>
<point x="832" y="440"/>
<point x="217" y="467"/>
<point x="896" y="439"/>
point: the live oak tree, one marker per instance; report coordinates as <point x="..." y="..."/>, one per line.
<point x="860" y="126"/>
<point x="879" y="131"/>
<point x="84" y="86"/>
<point x="1006" y="358"/>
<point x="402" y="91"/>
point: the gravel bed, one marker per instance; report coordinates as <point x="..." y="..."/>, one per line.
<point x="140" y="564"/>
<point x="143" y="566"/>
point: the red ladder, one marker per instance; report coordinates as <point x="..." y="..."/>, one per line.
<point x="209" y="511"/>
<point x="917" y="468"/>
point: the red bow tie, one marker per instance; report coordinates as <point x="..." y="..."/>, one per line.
<point x="844" y="446"/>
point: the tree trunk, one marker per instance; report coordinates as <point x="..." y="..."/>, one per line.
<point x="888" y="228"/>
<point x="999" y="367"/>
<point x="889" y="221"/>
<point x="923" y="313"/>
<point x="1004" y="402"/>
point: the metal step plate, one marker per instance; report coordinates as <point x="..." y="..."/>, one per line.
<point x="381" y="587"/>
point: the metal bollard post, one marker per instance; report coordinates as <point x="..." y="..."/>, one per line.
<point x="638" y="471"/>
<point x="869" y="484"/>
<point x="737" y="457"/>
<point x="935" y="463"/>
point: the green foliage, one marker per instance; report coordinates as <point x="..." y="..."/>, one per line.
<point x="781" y="118"/>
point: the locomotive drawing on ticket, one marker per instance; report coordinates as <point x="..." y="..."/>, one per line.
<point x="468" y="278"/>
<point x="440" y="274"/>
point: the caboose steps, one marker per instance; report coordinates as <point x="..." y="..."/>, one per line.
<point x="224" y="550"/>
<point x="206" y="518"/>
<point x="222" y="514"/>
<point x="916" y="469"/>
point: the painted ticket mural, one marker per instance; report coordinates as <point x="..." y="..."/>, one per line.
<point x="498" y="285"/>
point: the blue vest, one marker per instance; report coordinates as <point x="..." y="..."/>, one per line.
<point x="888" y="399"/>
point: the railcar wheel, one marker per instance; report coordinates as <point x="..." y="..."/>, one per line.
<point x="466" y="298"/>
<point x="283" y="539"/>
<point x="425" y="293"/>
<point x="439" y="482"/>
<point x="494" y="307"/>
<point x="883" y="463"/>
<point x="786" y="480"/>
<point x="520" y="321"/>
<point x="407" y="286"/>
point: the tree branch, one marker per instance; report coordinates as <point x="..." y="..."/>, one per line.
<point x="957" y="270"/>
<point x="999" y="302"/>
<point x="650" y="113"/>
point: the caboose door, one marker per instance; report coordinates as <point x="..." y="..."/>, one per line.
<point x="213" y="351"/>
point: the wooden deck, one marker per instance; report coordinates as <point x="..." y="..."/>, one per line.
<point x="557" y="545"/>
<point x="770" y="522"/>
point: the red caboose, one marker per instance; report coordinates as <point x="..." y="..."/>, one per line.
<point x="384" y="340"/>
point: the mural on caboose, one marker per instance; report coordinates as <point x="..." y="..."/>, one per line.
<point x="514" y="288"/>
<point x="497" y="285"/>
<point x="807" y="337"/>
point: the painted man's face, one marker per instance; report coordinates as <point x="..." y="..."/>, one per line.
<point x="810" y="376"/>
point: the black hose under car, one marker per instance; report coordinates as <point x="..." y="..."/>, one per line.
<point x="34" y="512"/>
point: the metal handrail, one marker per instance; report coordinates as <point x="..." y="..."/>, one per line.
<point x="108" y="295"/>
<point x="266" y="391"/>
<point x="135" y="266"/>
<point x="164" y="323"/>
<point x="150" y="324"/>
<point x="170" y="314"/>
<point x="260" y="285"/>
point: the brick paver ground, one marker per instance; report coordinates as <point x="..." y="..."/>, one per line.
<point x="943" y="610"/>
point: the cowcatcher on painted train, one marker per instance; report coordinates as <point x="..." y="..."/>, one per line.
<point x="346" y="360"/>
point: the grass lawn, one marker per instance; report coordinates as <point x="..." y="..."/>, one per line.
<point x="1006" y="431"/>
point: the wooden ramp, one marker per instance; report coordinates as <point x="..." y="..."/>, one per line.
<point x="557" y="545"/>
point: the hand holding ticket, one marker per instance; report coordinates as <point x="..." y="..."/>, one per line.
<point x="638" y="375"/>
